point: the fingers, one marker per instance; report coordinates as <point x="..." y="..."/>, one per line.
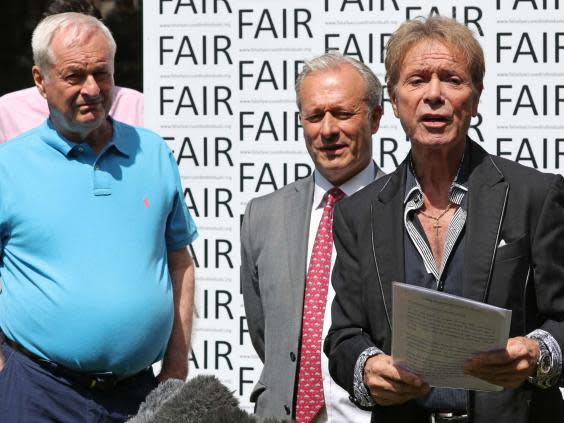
<point x="508" y="368"/>
<point x="383" y="397"/>
<point x="390" y="384"/>
<point x="391" y="393"/>
<point x="383" y="365"/>
<point x="517" y="348"/>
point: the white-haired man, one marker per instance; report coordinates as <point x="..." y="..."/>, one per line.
<point x="25" y="109"/>
<point x="97" y="280"/>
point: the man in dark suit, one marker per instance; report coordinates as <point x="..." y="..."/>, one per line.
<point x="339" y="102"/>
<point x="456" y="219"/>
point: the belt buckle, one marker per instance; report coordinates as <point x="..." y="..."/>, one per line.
<point x="102" y="381"/>
<point x="438" y="417"/>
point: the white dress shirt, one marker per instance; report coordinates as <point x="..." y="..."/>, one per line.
<point x="338" y="407"/>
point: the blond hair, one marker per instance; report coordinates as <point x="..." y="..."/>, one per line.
<point x="434" y="28"/>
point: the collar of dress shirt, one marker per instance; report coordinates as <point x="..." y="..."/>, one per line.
<point x="458" y="187"/>
<point x="357" y="182"/>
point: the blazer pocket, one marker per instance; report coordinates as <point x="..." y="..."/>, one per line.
<point x="513" y="250"/>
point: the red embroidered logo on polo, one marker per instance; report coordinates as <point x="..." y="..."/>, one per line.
<point x="309" y="397"/>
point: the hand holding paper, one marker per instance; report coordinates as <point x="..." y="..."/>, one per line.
<point x="435" y="333"/>
<point x="390" y="384"/>
<point x="508" y="368"/>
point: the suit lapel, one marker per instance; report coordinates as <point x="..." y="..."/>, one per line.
<point x="387" y="234"/>
<point x="486" y="206"/>
<point x="296" y="220"/>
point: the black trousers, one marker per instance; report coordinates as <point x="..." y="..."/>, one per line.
<point x="31" y="393"/>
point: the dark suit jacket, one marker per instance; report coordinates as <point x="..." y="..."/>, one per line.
<point x="506" y="201"/>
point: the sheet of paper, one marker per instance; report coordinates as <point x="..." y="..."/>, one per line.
<point x="434" y="333"/>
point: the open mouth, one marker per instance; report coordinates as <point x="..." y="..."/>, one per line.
<point x="435" y="121"/>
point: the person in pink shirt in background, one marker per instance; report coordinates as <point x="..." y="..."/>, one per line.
<point x="25" y="109"/>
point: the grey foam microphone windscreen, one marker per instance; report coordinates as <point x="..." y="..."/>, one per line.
<point x="203" y="399"/>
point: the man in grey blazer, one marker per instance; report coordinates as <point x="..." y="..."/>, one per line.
<point x="339" y="102"/>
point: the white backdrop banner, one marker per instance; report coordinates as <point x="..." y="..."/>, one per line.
<point x="219" y="87"/>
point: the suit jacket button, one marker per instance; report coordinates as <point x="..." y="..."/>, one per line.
<point x="287" y="409"/>
<point x="292" y="356"/>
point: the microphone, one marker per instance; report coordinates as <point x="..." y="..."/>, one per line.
<point x="203" y="399"/>
<point x="155" y="400"/>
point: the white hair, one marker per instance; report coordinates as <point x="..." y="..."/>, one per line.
<point x="75" y="24"/>
<point x="334" y="60"/>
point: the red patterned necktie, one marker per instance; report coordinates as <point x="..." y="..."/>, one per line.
<point x="309" y="397"/>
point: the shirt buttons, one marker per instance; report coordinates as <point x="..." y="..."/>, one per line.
<point x="292" y="356"/>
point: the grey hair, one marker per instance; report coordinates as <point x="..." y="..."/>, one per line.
<point x="76" y="24"/>
<point x="334" y="60"/>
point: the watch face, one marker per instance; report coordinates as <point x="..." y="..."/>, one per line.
<point x="544" y="364"/>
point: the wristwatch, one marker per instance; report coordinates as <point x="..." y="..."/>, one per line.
<point x="543" y="377"/>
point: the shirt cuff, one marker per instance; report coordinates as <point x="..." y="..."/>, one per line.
<point x="551" y="377"/>
<point x="361" y="394"/>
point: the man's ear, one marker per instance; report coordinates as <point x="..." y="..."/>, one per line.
<point x="393" y="99"/>
<point x="376" y="116"/>
<point x="39" y="80"/>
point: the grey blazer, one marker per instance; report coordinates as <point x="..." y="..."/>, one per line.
<point x="274" y="238"/>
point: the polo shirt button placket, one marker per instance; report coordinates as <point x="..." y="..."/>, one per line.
<point x="101" y="180"/>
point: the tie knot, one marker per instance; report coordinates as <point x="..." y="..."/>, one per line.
<point x="333" y="195"/>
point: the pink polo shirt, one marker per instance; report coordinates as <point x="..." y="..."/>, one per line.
<point x="25" y="109"/>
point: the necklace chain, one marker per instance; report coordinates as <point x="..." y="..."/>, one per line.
<point x="436" y="225"/>
<point x="436" y="219"/>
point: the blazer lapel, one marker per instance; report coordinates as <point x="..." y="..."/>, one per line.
<point x="487" y="192"/>
<point x="387" y="235"/>
<point x="296" y="219"/>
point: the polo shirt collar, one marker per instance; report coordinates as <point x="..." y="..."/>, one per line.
<point x="119" y="140"/>
<point x="52" y="138"/>
<point x="55" y="140"/>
